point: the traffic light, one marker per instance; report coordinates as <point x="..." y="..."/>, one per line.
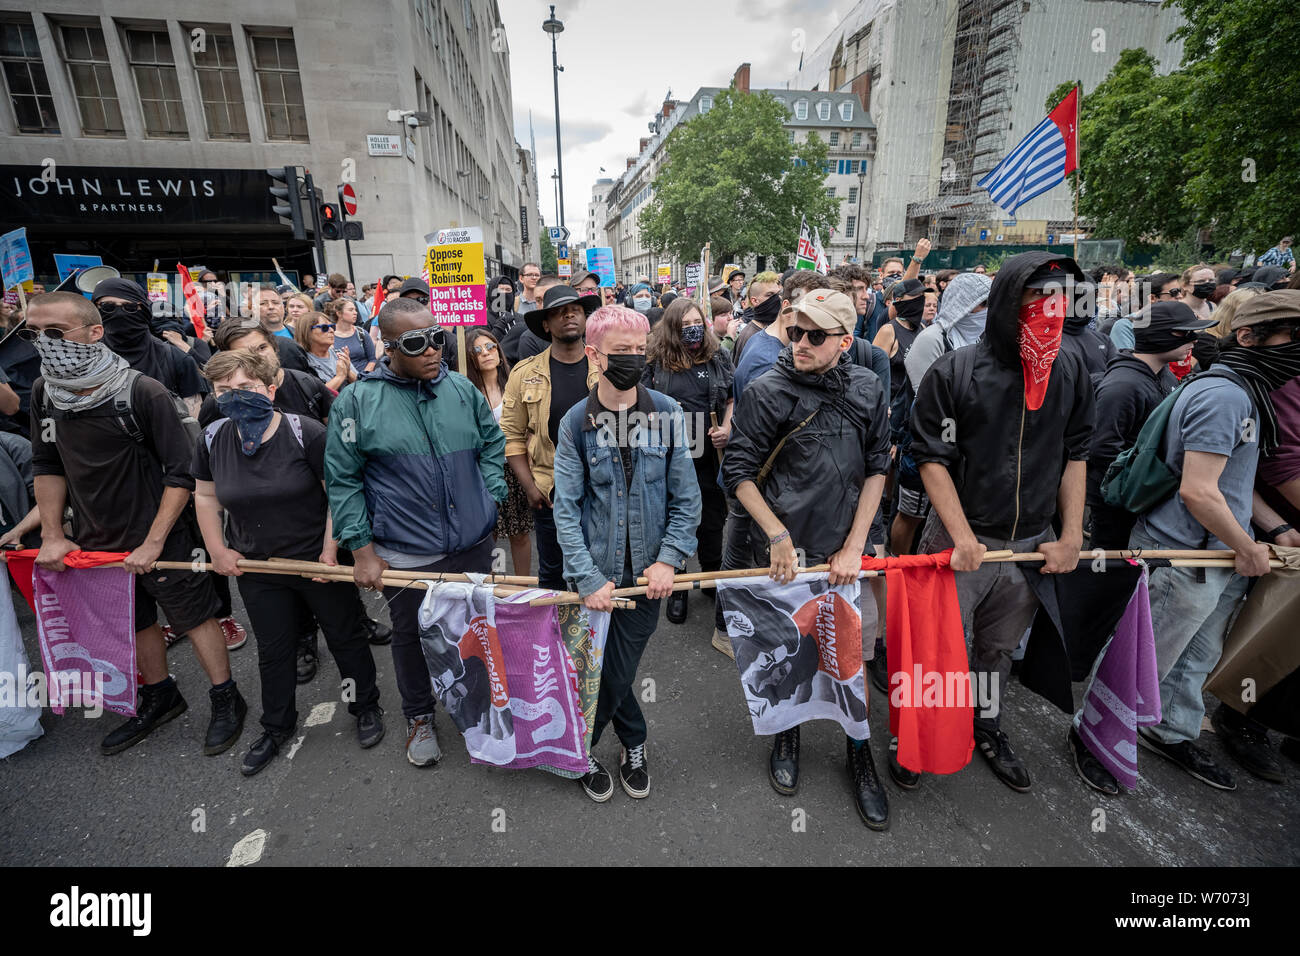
<point x="331" y="226"/>
<point x="353" y="230"/>
<point x="287" y="200"/>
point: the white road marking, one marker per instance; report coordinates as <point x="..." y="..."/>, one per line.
<point x="294" y="749"/>
<point x="320" y="714"/>
<point x="248" y="850"/>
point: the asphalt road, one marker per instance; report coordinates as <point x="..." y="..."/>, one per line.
<point x="331" y="803"/>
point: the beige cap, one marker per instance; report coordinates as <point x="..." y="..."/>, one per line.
<point x="1267" y="307"/>
<point x="828" y="309"/>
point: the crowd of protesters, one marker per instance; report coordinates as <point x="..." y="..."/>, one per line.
<point x="816" y="419"/>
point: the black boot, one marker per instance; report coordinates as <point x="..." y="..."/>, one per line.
<point x="228" y="711"/>
<point x="260" y="754"/>
<point x="153" y="709"/>
<point x="1248" y="743"/>
<point x="868" y="793"/>
<point x="376" y="632"/>
<point x="783" y="765"/>
<point x="878" y="669"/>
<point x="307" y="657"/>
<point x="676" y="611"/>
<point x="905" y="778"/>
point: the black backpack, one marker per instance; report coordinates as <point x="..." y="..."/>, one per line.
<point x="119" y="406"/>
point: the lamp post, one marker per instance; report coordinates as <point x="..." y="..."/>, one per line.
<point x="857" y="225"/>
<point x="555" y="181"/>
<point x="553" y="26"/>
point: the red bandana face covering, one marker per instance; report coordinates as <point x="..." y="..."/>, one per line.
<point x="1041" y="322"/>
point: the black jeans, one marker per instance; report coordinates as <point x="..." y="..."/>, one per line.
<point x="629" y="632"/>
<point x="1111" y="527"/>
<point x="273" y="602"/>
<point x="713" y="517"/>
<point x="412" y="673"/>
<point x="737" y="551"/>
<point x="550" y="559"/>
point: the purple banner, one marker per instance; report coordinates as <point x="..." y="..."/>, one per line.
<point x="86" y="624"/>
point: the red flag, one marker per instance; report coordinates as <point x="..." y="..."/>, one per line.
<point x="21" y="563"/>
<point x="193" y="301"/>
<point x="1066" y="118"/>
<point x="379" y="298"/>
<point x="931" y="708"/>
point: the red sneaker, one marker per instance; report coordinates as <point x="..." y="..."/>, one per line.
<point x="170" y="636"/>
<point x="235" y="635"/>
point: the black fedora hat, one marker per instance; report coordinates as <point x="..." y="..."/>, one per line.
<point x="556" y="297"/>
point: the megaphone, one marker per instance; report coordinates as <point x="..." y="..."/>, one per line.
<point x="85" y="280"/>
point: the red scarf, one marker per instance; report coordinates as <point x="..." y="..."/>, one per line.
<point x="1182" y="369"/>
<point x="1041" y="323"/>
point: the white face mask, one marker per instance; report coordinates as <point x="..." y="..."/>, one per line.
<point x="641" y="305"/>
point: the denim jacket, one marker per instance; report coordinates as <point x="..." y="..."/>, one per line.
<point x="597" y="514"/>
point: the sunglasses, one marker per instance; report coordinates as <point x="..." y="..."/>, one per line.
<point x="816" y="337"/>
<point x="29" y="334"/>
<point x="1172" y="293"/>
<point x="323" y="327"/>
<point x="130" y="308"/>
<point x="418" y="297"/>
<point x="893" y="275"/>
<point x="418" y="341"/>
<point x="486" y="347"/>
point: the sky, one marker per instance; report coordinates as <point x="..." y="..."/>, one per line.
<point x="620" y="60"/>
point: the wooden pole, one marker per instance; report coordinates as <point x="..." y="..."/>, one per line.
<point x="1078" y="101"/>
<point x="460" y="348"/>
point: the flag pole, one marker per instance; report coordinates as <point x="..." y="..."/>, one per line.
<point x="1077" y="173"/>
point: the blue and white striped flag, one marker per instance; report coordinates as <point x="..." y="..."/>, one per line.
<point x="1040" y="160"/>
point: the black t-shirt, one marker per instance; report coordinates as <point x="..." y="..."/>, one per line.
<point x="115" y="483"/>
<point x="299" y="394"/>
<point x="274" y="498"/>
<point x="568" y="388"/>
<point x="22" y="367"/>
<point x="625" y="457"/>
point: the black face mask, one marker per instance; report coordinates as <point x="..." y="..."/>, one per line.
<point x="1159" y="341"/>
<point x="768" y="310"/>
<point x="125" y="328"/>
<point x="910" y="309"/>
<point x="625" y="371"/>
<point x="1203" y="290"/>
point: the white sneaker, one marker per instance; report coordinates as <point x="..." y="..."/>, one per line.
<point x="422" y="741"/>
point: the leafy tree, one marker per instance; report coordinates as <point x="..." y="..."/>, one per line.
<point x="732" y="177"/>
<point x="1243" y="145"/>
<point x="1133" y="138"/>
<point x="550" y="263"/>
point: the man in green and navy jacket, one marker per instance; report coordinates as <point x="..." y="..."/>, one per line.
<point x="414" y="467"/>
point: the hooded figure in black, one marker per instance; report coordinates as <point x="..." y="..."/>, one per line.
<point x="501" y="306"/>
<point x="128" y="331"/>
<point x="1002" y="433"/>
<point x="1081" y="336"/>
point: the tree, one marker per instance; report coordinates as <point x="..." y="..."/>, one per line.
<point x="1132" y="145"/>
<point x="549" y="261"/>
<point x="732" y="177"/>
<point x="1243" y="147"/>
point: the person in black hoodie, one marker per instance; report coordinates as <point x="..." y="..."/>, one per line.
<point x="1081" y="336"/>
<point x="501" y="306"/>
<point x="1133" y="385"/>
<point x="998" y="475"/>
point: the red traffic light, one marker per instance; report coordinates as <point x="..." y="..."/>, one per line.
<point x="328" y="212"/>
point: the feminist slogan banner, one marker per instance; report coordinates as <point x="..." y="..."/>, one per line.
<point x="798" y="648"/>
<point x="85" y="620"/>
<point x="507" y="678"/>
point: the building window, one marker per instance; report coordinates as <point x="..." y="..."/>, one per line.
<point x="851" y="226"/>
<point x="857" y="139"/>
<point x="801" y="109"/>
<point x="830" y="192"/>
<point x="92" y="80"/>
<point x="706" y="103"/>
<point x="853" y="195"/>
<point x="223" y="98"/>
<point x="846" y="111"/>
<point x="275" y="61"/>
<point x="824" y="110"/>
<point x="790" y="135"/>
<point x="29" y="87"/>
<point x="835" y="138"/>
<point x="150" y="54"/>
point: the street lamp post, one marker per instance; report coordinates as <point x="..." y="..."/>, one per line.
<point x="555" y="181"/>
<point x="553" y="26"/>
<point x="857" y="225"/>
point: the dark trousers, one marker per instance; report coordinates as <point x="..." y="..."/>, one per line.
<point x="1111" y="527"/>
<point x="736" y="551"/>
<point x="629" y="632"/>
<point x="222" y="585"/>
<point x="713" y="518"/>
<point x="412" y="673"/>
<point x="273" y="602"/>
<point x="550" y="559"/>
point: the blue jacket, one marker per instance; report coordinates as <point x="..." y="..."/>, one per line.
<point x="414" y="466"/>
<point x="597" y="514"/>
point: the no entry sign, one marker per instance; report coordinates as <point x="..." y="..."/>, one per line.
<point x="349" y="199"/>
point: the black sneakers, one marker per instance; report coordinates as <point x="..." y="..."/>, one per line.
<point x="153" y="709"/>
<point x="260" y="754"/>
<point x="783" y="765"/>
<point x="307" y="657"/>
<point x="906" y="779"/>
<point x="1247" y="743"/>
<point x="1090" y="770"/>
<point x="676" y="610"/>
<point x="878" y="669"/>
<point x="1192" y="759"/>
<point x="596" y="781"/>
<point x="370" y="727"/>
<point x="868" y="793"/>
<point x="377" y="633"/>
<point x="1006" y="766"/>
<point x="228" y="711"/>
<point x="633" y="773"/>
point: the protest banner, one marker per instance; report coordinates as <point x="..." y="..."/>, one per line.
<point x="157" y="287"/>
<point x="600" y="260"/>
<point x="665" y="275"/>
<point x="457" y="281"/>
<point x="16" y="258"/>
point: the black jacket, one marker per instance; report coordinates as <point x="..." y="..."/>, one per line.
<point x="1093" y="349"/>
<point x="970" y="416"/>
<point x="1126" y="397"/>
<point x="817" y="477"/>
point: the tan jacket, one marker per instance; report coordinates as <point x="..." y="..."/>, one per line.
<point x="526" y="416"/>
